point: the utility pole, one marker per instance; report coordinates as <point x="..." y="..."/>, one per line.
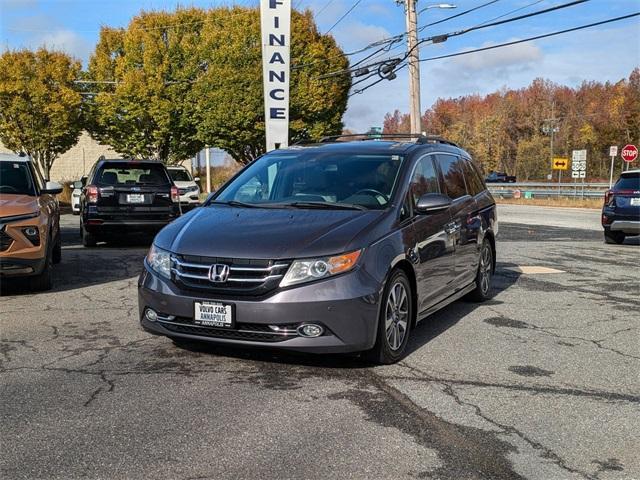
<point x="551" y="128"/>
<point x="414" y="65"/>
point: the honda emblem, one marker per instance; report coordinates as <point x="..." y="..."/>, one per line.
<point x="218" y="273"/>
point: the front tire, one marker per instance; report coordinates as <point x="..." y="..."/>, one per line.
<point x="484" y="275"/>
<point x="613" y="237"/>
<point x="43" y="281"/>
<point x="394" y="324"/>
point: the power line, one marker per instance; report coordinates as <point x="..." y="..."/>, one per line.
<point x="458" y="15"/>
<point x="326" y="5"/>
<point x="530" y="39"/>
<point x="537" y="37"/>
<point x="343" y="16"/>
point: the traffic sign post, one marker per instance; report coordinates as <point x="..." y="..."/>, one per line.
<point x="579" y="166"/>
<point x="613" y="153"/>
<point x="629" y="154"/>
<point x="560" y="164"/>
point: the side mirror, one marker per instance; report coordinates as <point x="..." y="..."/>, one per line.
<point x="432" y="202"/>
<point x="52" y="188"/>
<point x="77" y="184"/>
<point x="83" y="180"/>
<point x="196" y="179"/>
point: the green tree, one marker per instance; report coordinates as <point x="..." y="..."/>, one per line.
<point x="40" y="108"/>
<point x="171" y="83"/>
<point x="229" y="97"/>
<point x="143" y="76"/>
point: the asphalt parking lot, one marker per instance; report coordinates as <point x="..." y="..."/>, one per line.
<point x="541" y="382"/>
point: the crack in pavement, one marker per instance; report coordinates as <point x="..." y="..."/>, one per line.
<point x="547" y="453"/>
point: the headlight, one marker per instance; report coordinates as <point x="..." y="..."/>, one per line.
<point x="160" y="261"/>
<point x="302" y="271"/>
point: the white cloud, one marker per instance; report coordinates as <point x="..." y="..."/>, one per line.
<point x="523" y="53"/>
<point x="67" y="41"/>
<point x="354" y="35"/>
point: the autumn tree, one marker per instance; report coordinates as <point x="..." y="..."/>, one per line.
<point x="143" y="77"/>
<point x="228" y="95"/>
<point x="40" y="109"/>
<point x="171" y="83"/>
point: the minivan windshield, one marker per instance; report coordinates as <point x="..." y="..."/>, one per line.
<point x="15" y="178"/>
<point x="132" y="173"/>
<point x="311" y="180"/>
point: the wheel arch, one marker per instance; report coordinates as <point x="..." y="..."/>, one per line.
<point x="407" y="268"/>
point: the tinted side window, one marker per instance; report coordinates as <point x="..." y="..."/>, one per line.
<point x="452" y="171"/>
<point x="474" y="183"/>
<point x="425" y="179"/>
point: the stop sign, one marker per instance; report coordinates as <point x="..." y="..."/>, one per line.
<point x="629" y="153"/>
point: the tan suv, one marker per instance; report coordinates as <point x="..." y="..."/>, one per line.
<point x="29" y="223"/>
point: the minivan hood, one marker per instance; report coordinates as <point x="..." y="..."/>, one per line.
<point x="12" y="204"/>
<point x="230" y="232"/>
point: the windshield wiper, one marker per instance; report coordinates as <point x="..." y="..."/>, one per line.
<point x="235" y="203"/>
<point x="325" y="205"/>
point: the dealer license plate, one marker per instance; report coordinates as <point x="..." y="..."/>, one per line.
<point x="135" y="198"/>
<point x="213" y="314"/>
<point x="635" y="201"/>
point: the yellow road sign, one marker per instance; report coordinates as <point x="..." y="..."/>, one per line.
<point x="560" y="163"/>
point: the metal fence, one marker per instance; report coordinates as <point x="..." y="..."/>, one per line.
<point x="547" y="190"/>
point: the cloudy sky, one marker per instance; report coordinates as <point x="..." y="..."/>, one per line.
<point x="605" y="53"/>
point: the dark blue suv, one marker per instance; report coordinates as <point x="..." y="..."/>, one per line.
<point x="328" y="247"/>
<point x="621" y="209"/>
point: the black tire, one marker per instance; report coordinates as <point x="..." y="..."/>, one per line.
<point x="43" y="281"/>
<point x="88" y="240"/>
<point x="56" y="255"/>
<point x="484" y="275"/>
<point x="613" y="237"/>
<point x="394" y="324"/>
<point x="75" y="213"/>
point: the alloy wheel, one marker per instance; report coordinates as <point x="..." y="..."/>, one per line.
<point x="485" y="269"/>
<point x="396" y="315"/>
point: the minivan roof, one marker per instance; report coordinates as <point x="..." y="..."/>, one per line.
<point x="375" y="146"/>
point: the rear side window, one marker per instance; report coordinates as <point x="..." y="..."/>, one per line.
<point x="628" y="182"/>
<point x="126" y="173"/>
<point x="425" y="179"/>
<point x="472" y="178"/>
<point x="452" y="169"/>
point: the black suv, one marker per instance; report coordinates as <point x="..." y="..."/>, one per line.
<point x="621" y="209"/>
<point x="124" y="197"/>
<point x="330" y="247"/>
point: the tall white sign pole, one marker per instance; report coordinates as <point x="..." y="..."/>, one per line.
<point x="275" y="21"/>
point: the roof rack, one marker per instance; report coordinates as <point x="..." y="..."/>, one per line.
<point x="420" y="138"/>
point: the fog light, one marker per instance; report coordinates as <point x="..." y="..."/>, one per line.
<point x="310" y="330"/>
<point x="151" y="315"/>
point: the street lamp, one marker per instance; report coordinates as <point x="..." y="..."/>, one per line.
<point x="445" y="6"/>
<point x="414" y="60"/>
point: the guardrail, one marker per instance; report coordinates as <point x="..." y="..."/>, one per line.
<point x="549" y="185"/>
<point x="547" y="190"/>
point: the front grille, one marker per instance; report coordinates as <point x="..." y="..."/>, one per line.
<point x="246" y="276"/>
<point x="243" y="331"/>
<point x="5" y="241"/>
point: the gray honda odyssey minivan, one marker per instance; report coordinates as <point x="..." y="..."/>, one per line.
<point x="336" y="246"/>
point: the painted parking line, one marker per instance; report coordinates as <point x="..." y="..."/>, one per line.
<point x="533" y="269"/>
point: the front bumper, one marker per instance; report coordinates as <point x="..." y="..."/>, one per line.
<point x="346" y="306"/>
<point x="21" y="267"/>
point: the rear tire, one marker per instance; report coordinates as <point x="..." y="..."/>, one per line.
<point x="88" y="240"/>
<point x="394" y="323"/>
<point x="484" y="275"/>
<point x="613" y="237"/>
<point x="43" y="281"/>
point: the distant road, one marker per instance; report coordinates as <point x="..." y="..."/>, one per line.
<point x="581" y="218"/>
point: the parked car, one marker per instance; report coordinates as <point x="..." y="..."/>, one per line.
<point x="187" y="187"/>
<point x="30" y="241"/>
<point x="334" y="247"/>
<point x="500" y="177"/>
<point x="621" y="209"/>
<point x="76" y="192"/>
<point x="125" y="197"/>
